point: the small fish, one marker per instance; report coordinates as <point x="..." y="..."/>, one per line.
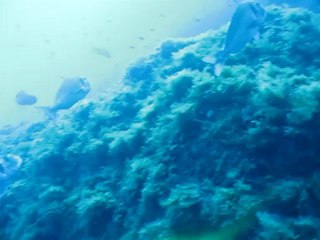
<point x="244" y="28"/>
<point x="52" y="54"/>
<point x="23" y="98"/>
<point x="141" y="38"/>
<point x="70" y="92"/>
<point x="102" y="52"/>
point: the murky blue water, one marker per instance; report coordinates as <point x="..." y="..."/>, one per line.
<point x="159" y="120"/>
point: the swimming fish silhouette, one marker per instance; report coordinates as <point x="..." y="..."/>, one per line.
<point x="244" y="27"/>
<point x="23" y="98"/>
<point x="70" y="92"/>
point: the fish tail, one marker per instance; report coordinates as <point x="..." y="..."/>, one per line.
<point x="209" y="59"/>
<point x="218" y="69"/>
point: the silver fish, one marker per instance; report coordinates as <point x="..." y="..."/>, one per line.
<point x="244" y="27"/>
<point x="70" y="92"/>
<point x="23" y="98"/>
<point x="102" y="52"/>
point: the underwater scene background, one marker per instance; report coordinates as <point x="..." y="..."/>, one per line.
<point x="179" y="151"/>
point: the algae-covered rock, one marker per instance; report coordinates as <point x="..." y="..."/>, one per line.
<point x="181" y="153"/>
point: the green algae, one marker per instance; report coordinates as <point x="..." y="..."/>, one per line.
<point x="233" y="232"/>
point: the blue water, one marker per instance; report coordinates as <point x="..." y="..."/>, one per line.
<point x="178" y="151"/>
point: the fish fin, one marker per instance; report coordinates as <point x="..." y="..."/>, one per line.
<point x="218" y="69"/>
<point x="214" y="61"/>
<point x="209" y="59"/>
<point x="218" y="57"/>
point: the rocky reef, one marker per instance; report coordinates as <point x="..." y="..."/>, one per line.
<point x="181" y="154"/>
